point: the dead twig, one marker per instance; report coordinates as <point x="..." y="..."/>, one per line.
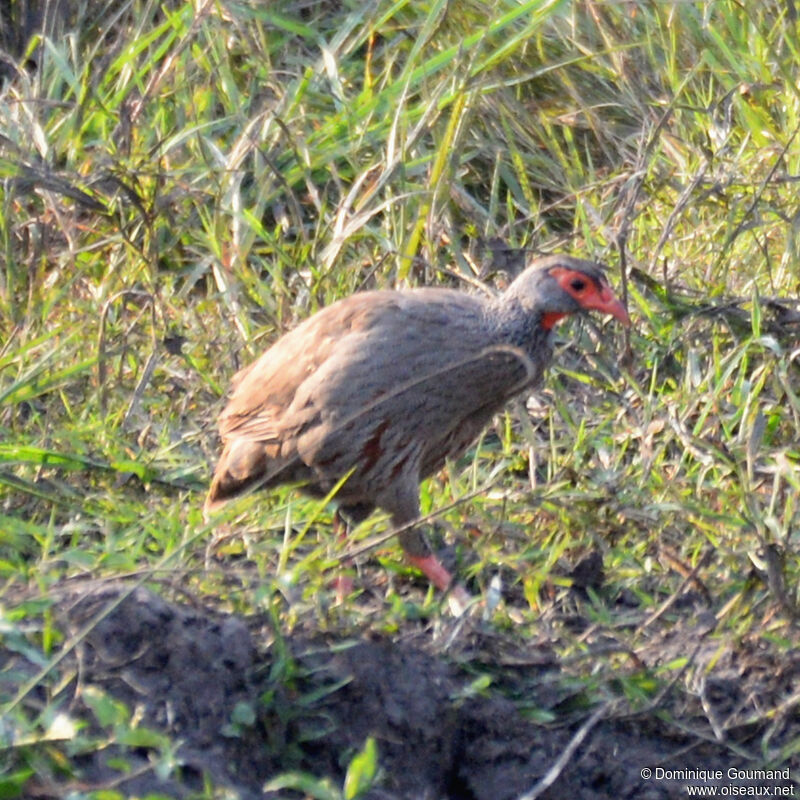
<point x="561" y="762"/>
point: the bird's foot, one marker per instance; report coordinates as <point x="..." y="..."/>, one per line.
<point x="458" y="598"/>
<point x="343" y="585"/>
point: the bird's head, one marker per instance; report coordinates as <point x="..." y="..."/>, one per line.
<point x="557" y="286"/>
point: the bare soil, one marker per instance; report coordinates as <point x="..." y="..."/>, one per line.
<point x="189" y="673"/>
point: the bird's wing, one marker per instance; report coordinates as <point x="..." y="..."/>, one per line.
<point x="424" y="365"/>
<point x="263" y="404"/>
<point x="425" y="344"/>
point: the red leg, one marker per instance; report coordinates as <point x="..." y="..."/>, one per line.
<point x="459" y="598"/>
<point x="432" y="569"/>
<point x="403" y="505"/>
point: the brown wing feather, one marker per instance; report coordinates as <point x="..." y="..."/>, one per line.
<point x="264" y="390"/>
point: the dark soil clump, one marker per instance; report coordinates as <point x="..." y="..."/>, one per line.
<point x="243" y="716"/>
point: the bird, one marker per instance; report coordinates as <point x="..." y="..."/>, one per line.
<point x="375" y="392"/>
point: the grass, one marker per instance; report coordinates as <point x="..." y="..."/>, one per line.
<point x="184" y="181"/>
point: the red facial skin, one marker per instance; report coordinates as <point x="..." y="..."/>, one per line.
<point x="588" y="293"/>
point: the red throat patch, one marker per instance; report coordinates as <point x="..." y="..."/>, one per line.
<point x="550" y="318"/>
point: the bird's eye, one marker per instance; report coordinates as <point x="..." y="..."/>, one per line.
<point x="578" y="285"/>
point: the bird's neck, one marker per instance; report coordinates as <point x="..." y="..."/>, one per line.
<point x="516" y="326"/>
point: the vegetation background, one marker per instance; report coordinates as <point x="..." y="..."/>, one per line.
<point x="183" y="181"/>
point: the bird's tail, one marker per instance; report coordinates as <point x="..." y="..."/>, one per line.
<point x="242" y="464"/>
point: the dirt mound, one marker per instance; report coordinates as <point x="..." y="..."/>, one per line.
<point x="242" y="716"/>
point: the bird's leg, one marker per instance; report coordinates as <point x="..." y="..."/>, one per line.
<point x="419" y="555"/>
<point x="343" y="584"/>
<point x="346" y="518"/>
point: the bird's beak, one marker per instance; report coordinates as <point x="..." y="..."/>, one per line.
<point x="605" y="300"/>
